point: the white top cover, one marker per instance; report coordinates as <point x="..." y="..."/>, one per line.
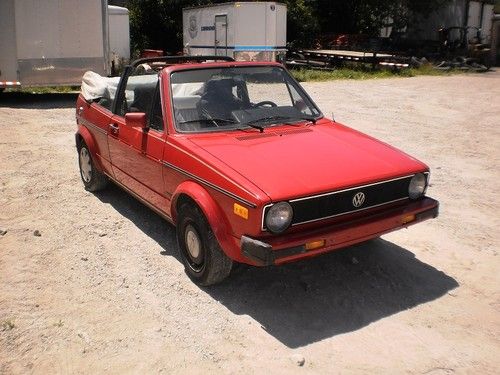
<point x="95" y="86"/>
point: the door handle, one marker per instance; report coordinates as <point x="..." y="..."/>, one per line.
<point x="114" y="128"/>
<point x="80" y="111"/>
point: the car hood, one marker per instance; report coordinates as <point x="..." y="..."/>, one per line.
<point x="293" y="161"/>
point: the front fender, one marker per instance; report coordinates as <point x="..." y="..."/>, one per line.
<point x="84" y="135"/>
<point x="214" y="214"/>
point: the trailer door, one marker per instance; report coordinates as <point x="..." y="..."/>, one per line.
<point x="221" y="35"/>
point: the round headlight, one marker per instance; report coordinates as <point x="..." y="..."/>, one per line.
<point x="279" y="217"/>
<point x="417" y="186"/>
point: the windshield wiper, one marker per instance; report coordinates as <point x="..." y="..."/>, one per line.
<point x="252" y="123"/>
<point x="210" y="120"/>
<point x="308" y="118"/>
<point x="245" y="124"/>
<point x="266" y="119"/>
<point x="278" y="117"/>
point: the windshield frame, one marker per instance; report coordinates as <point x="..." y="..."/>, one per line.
<point x="289" y="79"/>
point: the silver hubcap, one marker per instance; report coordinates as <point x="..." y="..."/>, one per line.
<point x="193" y="243"/>
<point x="85" y="164"/>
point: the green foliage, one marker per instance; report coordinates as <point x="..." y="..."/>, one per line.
<point x="302" y="22"/>
<point x="305" y="75"/>
<point x="368" y="16"/>
<point x="157" y="24"/>
<point x="46" y="89"/>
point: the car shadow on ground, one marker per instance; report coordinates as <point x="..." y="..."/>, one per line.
<point x="308" y="301"/>
<point x="148" y="221"/>
<point x="311" y="300"/>
<point x="26" y="100"/>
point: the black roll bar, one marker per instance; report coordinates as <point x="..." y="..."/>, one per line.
<point x="174" y="59"/>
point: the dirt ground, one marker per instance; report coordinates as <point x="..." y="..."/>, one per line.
<point x="92" y="283"/>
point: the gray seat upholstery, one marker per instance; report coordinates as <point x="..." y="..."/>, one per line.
<point x="143" y="98"/>
<point x="218" y="101"/>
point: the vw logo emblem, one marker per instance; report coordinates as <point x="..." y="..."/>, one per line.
<point x="358" y="199"/>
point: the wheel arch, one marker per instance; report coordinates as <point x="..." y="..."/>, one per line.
<point x="83" y="135"/>
<point x="194" y="193"/>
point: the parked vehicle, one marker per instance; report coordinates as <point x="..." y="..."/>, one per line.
<point x="53" y="43"/>
<point x="239" y="158"/>
<point x="245" y="31"/>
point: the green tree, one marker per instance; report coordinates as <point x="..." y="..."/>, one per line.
<point x="302" y="22"/>
<point x="368" y="16"/>
<point x="157" y="24"/>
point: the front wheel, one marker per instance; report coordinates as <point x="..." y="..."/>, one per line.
<point x="92" y="178"/>
<point x="204" y="260"/>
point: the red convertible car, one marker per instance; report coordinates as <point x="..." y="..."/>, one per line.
<point x="238" y="157"/>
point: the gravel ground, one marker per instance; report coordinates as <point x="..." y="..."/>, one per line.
<point x="92" y="283"/>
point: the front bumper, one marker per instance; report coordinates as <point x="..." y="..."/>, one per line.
<point x="338" y="235"/>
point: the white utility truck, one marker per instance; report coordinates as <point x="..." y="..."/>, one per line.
<point x="248" y="31"/>
<point x="53" y="43"/>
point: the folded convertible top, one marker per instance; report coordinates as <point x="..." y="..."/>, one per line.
<point x="95" y="86"/>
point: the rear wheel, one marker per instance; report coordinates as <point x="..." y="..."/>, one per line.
<point x="92" y="178"/>
<point x="204" y="260"/>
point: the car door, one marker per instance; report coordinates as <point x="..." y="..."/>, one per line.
<point x="136" y="153"/>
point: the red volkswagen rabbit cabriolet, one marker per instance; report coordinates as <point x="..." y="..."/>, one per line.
<point x="239" y="158"/>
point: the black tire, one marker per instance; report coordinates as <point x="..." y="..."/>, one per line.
<point x="92" y="178"/>
<point x="205" y="263"/>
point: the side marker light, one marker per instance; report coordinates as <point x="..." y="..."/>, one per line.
<point x="240" y="211"/>
<point x="407" y="218"/>
<point x="315" y="244"/>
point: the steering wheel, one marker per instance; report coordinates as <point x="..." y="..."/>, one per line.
<point x="265" y="102"/>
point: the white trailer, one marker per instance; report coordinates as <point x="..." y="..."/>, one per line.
<point x="248" y="31"/>
<point x="119" y="36"/>
<point x="52" y="42"/>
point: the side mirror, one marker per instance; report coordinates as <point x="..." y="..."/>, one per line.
<point x="136" y="120"/>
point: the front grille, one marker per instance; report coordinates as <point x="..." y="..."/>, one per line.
<point x="337" y="203"/>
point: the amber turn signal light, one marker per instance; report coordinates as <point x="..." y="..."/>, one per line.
<point x="315" y="244"/>
<point x="240" y="211"/>
<point x="407" y="218"/>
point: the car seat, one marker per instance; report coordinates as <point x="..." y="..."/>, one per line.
<point x="218" y="101"/>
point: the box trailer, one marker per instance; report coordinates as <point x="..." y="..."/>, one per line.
<point x="251" y="31"/>
<point x="119" y="36"/>
<point x="52" y="42"/>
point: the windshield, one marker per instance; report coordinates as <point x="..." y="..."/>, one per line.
<point x="217" y="99"/>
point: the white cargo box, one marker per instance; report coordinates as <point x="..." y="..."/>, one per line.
<point x="251" y="31"/>
<point x="119" y="35"/>
<point x="53" y="42"/>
